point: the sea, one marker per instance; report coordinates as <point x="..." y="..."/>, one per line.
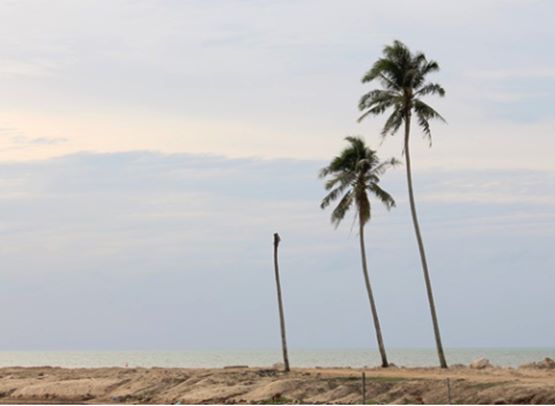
<point x="507" y="357"/>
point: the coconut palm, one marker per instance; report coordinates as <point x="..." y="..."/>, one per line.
<point x="402" y="78"/>
<point x="350" y="178"/>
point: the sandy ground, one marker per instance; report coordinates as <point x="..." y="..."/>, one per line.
<point x="258" y="385"/>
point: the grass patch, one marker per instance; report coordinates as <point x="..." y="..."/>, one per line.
<point x="486" y="385"/>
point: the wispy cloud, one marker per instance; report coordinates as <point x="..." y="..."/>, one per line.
<point x="15" y="68"/>
<point x="507" y="187"/>
<point x="39" y="140"/>
<point x="15" y="136"/>
<point x="517" y="73"/>
<point x="257" y="78"/>
<point x="178" y="230"/>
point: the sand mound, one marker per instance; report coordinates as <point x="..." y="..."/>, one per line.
<point x="255" y="385"/>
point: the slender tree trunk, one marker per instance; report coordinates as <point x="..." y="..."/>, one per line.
<point x="439" y="346"/>
<point x="371" y="298"/>
<point x="280" y="304"/>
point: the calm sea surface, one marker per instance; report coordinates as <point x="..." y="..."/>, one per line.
<point x="213" y="359"/>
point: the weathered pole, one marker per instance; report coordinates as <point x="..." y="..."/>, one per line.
<point x="363" y="388"/>
<point x="280" y="304"/>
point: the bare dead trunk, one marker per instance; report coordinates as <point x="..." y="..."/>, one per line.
<point x="439" y="346"/>
<point x="280" y="304"/>
<point x="371" y="298"/>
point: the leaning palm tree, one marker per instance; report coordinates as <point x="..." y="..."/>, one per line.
<point x="350" y="177"/>
<point x="402" y="76"/>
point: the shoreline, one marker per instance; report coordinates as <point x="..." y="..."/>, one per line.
<point x="329" y="358"/>
<point x="244" y="385"/>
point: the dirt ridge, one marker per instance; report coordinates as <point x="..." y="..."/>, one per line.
<point x="263" y="386"/>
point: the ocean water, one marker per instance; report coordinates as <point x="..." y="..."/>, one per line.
<point x="512" y="357"/>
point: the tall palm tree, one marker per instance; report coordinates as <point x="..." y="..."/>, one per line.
<point x="402" y="76"/>
<point x="351" y="176"/>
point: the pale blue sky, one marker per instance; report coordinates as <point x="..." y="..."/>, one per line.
<point x="149" y="149"/>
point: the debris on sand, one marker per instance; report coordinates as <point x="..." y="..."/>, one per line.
<point x="480" y="363"/>
<point x="547" y="363"/>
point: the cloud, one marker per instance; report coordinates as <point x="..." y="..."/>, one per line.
<point x="21" y="139"/>
<point x="16" y="136"/>
<point x="507" y="187"/>
<point x="139" y="243"/>
<point x="511" y="74"/>
<point x="243" y="79"/>
<point x="14" y="68"/>
<point x="157" y="239"/>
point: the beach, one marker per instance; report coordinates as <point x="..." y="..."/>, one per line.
<point x="458" y="384"/>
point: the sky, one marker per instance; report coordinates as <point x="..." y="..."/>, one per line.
<point x="150" y="149"/>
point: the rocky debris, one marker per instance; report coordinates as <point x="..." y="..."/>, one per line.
<point x="278" y="365"/>
<point x="547" y="363"/>
<point x="267" y="372"/>
<point x="480" y="363"/>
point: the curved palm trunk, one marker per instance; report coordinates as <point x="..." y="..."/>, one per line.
<point x="280" y="305"/>
<point x="371" y="299"/>
<point x="439" y="346"/>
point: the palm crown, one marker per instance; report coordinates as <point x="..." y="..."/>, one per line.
<point x="351" y="175"/>
<point x="403" y="78"/>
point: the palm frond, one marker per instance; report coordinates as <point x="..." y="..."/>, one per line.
<point x="341" y="178"/>
<point x="382" y="195"/>
<point x="425" y="113"/>
<point x="332" y="195"/>
<point x="389" y="83"/>
<point x="376" y="110"/>
<point x="342" y="208"/>
<point x="337" y="185"/>
<point x="341" y="163"/>
<point x="384" y="166"/>
<point x="429" y="67"/>
<point x="431" y="88"/>
<point x="397" y="52"/>
<point x="393" y="122"/>
<point x="383" y="68"/>
<point x="376" y="97"/>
